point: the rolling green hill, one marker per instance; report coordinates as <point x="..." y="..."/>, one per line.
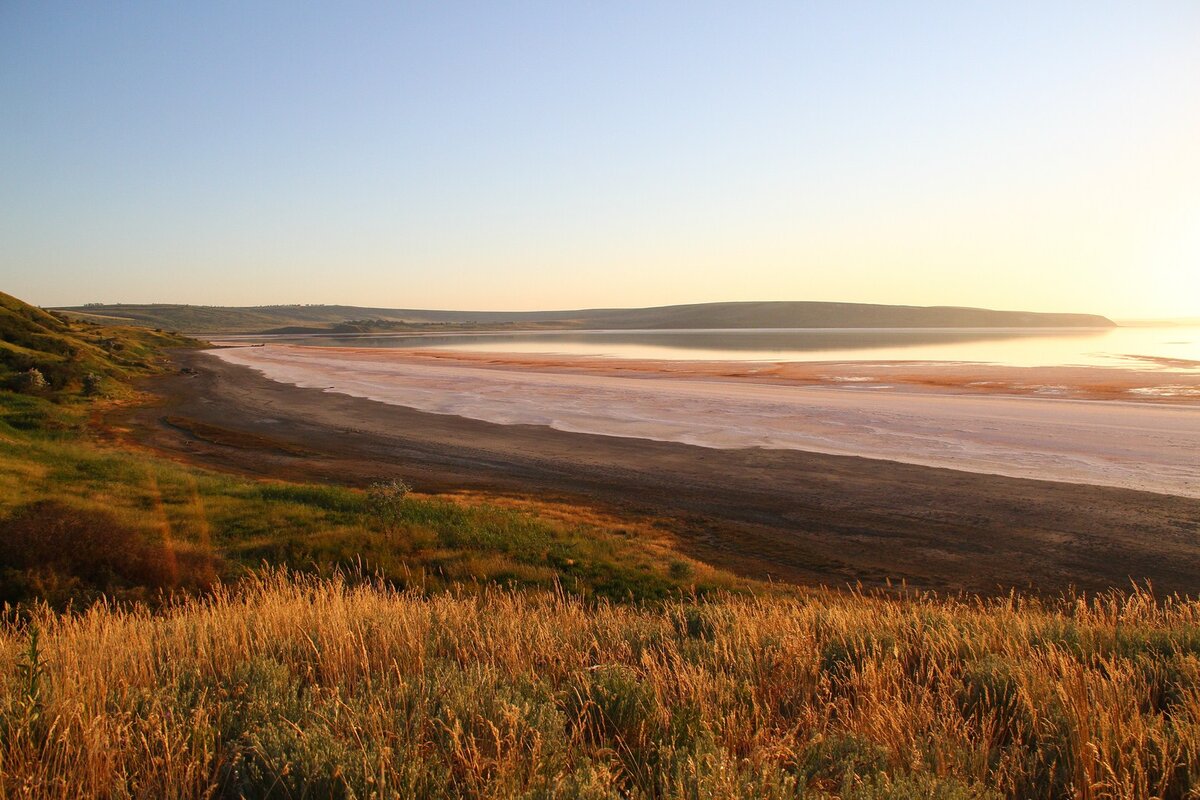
<point x="64" y="351"/>
<point x="775" y="314"/>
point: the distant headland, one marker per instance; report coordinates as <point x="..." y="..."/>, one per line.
<point x="768" y="314"/>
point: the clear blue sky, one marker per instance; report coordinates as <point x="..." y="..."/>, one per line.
<point x="1035" y="155"/>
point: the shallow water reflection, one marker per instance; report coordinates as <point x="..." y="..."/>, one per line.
<point x="1144" y="348"/>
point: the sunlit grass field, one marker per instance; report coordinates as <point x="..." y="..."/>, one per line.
<point x="302" y="687"/>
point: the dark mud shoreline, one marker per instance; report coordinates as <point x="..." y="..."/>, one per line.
<point x="790" y="516"/>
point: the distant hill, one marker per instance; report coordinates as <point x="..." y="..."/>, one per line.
<point x="774" y="314"/>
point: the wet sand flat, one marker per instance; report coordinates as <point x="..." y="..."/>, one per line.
<point x="954" y="416"/>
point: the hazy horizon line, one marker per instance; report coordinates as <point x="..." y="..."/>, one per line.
<point x="75" y="306"/>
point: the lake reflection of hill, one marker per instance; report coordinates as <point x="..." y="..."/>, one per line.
<point x="1127" y="348"/>
<point x="821" y="339"/>
<point x="783" y="341"/>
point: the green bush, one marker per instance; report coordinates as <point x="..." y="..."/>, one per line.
<point x="385" y="498"/>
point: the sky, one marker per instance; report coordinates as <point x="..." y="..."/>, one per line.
<point x="547" y="155"/>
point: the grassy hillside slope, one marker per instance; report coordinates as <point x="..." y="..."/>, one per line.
<point x="79" y="518"/>
<point x="65" y="351"/>
<point x="210" y="319"/>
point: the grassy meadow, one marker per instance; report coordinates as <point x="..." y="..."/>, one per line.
<point x="293" y="686"/>
<point x="80" y="519"/>
<point x="169" y="631"/>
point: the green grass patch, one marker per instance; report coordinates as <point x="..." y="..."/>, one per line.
<point x="229" y="524"/>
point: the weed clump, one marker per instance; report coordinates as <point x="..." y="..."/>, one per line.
<point x="386" y="498"/>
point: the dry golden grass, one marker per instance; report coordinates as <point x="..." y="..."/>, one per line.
<point x="296" y="687"/>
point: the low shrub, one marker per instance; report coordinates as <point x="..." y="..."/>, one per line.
<point x="56" y="552"/>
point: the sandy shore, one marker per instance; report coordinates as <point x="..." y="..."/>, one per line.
<point x="785" y="514"/>
<point x="1137" y="429"/>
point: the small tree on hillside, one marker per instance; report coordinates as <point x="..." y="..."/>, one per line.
<point x="91" y="384"/>
<point x="32" y="380"/>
